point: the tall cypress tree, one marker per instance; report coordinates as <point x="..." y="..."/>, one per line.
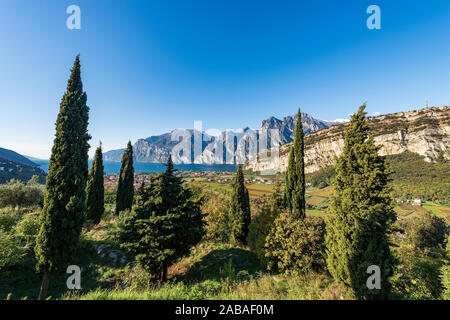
<point x="240" y="209"/>
<point x="95" y="189"/>
<point x="290" y="179"/>
<point x="62" y="216"/>
<point x="125" y="190"/>
<point x="295" y="173"/>
<point x="360" y="213"/>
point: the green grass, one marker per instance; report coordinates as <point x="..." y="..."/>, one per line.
<point x="202" y="276"/>
<point x="315" y="212"/>
<point x="265" y="287"/>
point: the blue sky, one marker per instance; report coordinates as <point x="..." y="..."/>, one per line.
<point x="151" y="66"/>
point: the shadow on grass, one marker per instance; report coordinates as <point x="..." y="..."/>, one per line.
<point x="244" y="263"/>
<point x="22" y="280"/>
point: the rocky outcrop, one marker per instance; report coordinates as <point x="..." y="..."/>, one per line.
<point x="425" y="132"/>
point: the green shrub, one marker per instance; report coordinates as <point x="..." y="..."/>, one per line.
<point x="122" y="228"/>
<point x="294" y="245"/>
<point x="10" y="250"/>
<point x="425" y="231"/>
<point x="417" y="276"/>
<point x="321" y="178"/>
<point x="259" y="229"/>
<point x="27" y="229"/>
<point x="9" y="218"/>
<point x="445" y="274"/>
<point x="216" y="210"/>
<point x="16" y="194"/>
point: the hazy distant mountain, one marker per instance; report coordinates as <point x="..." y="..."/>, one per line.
<point x="157" y="148"/>
<point x="14" y="170"/>
<point x="32" y="158"/>
<point x="14" y="156"/>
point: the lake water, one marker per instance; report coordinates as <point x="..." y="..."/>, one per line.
<point x="114" y="167"/>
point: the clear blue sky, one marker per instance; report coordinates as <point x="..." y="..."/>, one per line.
<point x="151" y="66"/>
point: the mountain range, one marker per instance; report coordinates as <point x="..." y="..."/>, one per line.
<point x="156" y="149"/>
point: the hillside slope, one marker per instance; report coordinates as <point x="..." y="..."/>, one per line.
<point x="14" y="156"/>
<point x="15" y="170"/>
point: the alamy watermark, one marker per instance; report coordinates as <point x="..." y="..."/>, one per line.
<point x="74" y="281"/>
<point x="374" y="20"/>
<point x="74" y="20"/>
<point x="374" y="281"/>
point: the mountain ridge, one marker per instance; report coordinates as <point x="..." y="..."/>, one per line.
<point x="16" y="157"/>
<point x="157" y="148"/>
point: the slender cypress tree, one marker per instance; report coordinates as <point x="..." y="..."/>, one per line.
<point x="290" y="179"/>
<point x="62" y="216"/>
<point x="125" y="190"/>
<point x="95" y="189"/>
<point x="240" y="209"/>
<point x="295" y="174"/>
<point x="360" y="213"/>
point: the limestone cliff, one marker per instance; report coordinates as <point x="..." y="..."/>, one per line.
<point x="425" y="132"/>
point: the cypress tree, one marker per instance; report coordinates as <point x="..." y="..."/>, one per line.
<point x="295" y="173"/>
<point x="125" y="190"/>
<point x="169" y="222"/>
<point x="290" y="179"/>
<point x="360" y="213"/>
<point x="240" y="209"/>
<point x="62" y="216"/>
<point x="95" y="189"/>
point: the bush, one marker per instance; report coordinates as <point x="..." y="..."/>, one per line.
<point x="122" y="228"/>
<point x="259" y="229"/>
<point x="445" y="275"/>
<point x="9" y="218"/>
<point x="216" y="209"/>
<point x="417" y="276"/>
<point x="425" y="231"/>
<point x="16" y="194"/>
<point x="27" y="229"/>
<point x="295" y="246"/>
<point x="10" y="250"/>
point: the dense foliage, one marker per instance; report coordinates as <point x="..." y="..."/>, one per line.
<point x="16" y="194"/>
<point x="322" y="178"/>
<point x="239" y="217"/>
<point x="296" y="246"/>
<point x="216" y="208"/>
<point x="95" y="190"/>
<point x="361" y="213"/>
<point x="445" y="274"/>
<point x="425" y="231"/>
<point x="168" y="221"/>
<point x="295" y="173"/>
<point x="125" y="189"/>
<point x="413" y="177"/>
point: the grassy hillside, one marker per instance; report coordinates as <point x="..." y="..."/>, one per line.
<point x="412" y="177"/>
